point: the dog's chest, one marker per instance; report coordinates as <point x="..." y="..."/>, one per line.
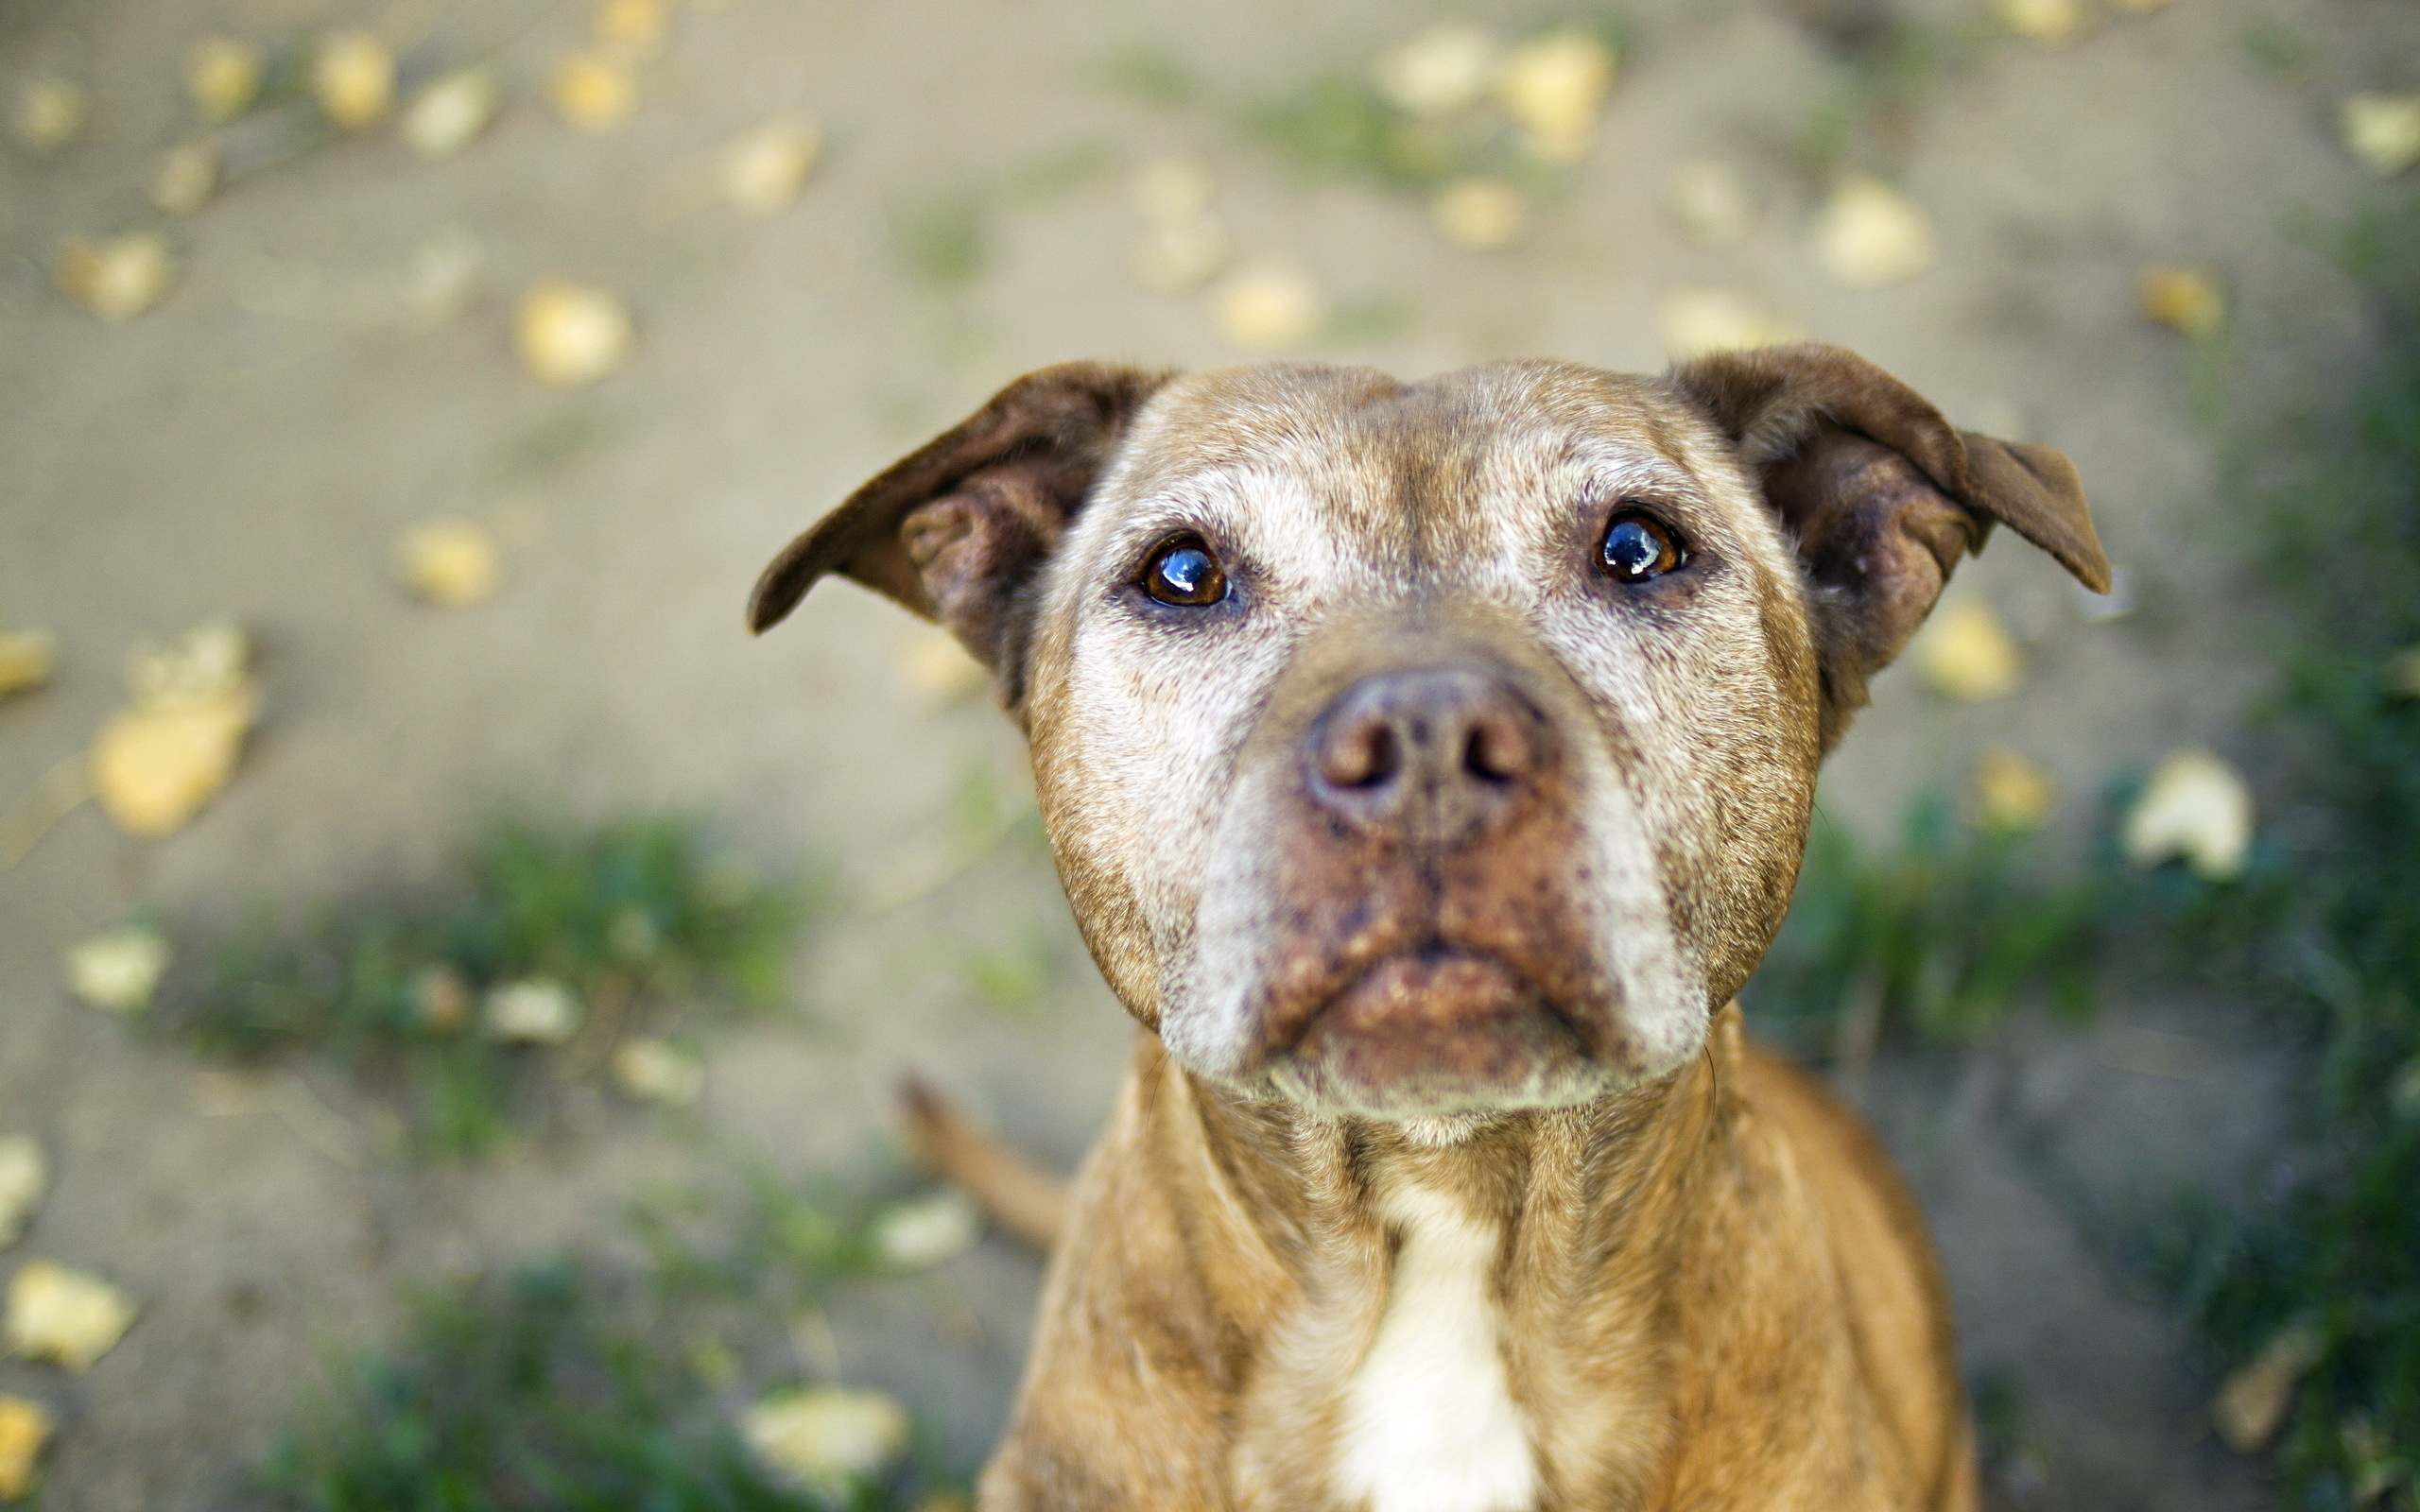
<point x="1428" y="1421"/>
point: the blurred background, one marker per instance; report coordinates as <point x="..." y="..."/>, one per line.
<point x="453" y="981"/>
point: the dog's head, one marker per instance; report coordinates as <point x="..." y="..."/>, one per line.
<point x="1413" y="750"/>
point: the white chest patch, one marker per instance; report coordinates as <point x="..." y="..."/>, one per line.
<point x="1430" y="1424"/>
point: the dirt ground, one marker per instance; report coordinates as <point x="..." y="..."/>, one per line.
<point x="252" y="447"/>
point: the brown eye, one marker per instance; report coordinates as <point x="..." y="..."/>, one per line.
<point x="1185" y="573"/>
<point x="1636" y="547"/>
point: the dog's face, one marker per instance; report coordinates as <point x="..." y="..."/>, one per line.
<point x="1422" y="750"/>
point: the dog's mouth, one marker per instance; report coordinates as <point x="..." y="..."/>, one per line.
<point x="1437" y="1029"/>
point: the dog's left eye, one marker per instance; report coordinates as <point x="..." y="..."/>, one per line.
<point x="1187" y="574"/>
<point x="1638" y="546"/>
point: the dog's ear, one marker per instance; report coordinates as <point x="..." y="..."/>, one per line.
<point x="955" y="530"/>
<point x="1881" y="496"/>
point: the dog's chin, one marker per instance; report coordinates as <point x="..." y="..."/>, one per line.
<point x="1438" y="1034"/>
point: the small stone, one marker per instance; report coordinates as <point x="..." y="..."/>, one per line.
<point x="1555" y="86"/>
<point x="24" y="1177"/>
<point x="569" y="335"/>
<point x="119" y="277"/>
<point x="1481" y="214"/>
<point x="1967" y="654"/>
<point x="441" y="999"/>
<point x="2383" y="130"/>
<point x="353" y="75"/>
<point x="452" y="563"/>
<point x="118" y="968"/>
<point x="28" y="658"/>
<point x="2185" y="297"/>
<point x="830" y="1438"/>
<point x="1177" y="256"/>
<point x="922" y="1234"/>
<point x="24" y="1427"/>
<point x="2401" y="675"/>
<point x="222" y="78"/>
<point x="1440" y="72"/>
<point x="1694" y="322"/>
<point x="2196" y="807"/>
<point x="155" y="768"/>
<point x="62" y="1314"/>
<point x="2044" y="21"/>
<point x="449" y="113"/>
<point x="1871" y="236"/>
<point x="592" y="91"/>
<point x="1712" y="203"/>
<point x="1272" y="307"/>
<point x="2253" y="1400"/>
<point x="2012" y="795"/>
<point x="653" y="1071"/>
<point x="1174" y="190"/>
<point x="186" y="177"/>
<point x="633" y="29"/>
<point x="534" y="1011"/>
<point x="50" y="114"/>
<point x="762" y="171"/>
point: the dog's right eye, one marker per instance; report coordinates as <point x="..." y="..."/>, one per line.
<point x="1184" y="574"/>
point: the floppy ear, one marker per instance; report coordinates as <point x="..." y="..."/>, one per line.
<point x="955" y="529"/>
<point x="1882" y="496"/>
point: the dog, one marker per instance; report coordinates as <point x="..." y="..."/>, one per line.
<point x="1428" y="766"/>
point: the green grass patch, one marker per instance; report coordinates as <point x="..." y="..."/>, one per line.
<point x="943" y="241"/>
<point x="628" y="925"/>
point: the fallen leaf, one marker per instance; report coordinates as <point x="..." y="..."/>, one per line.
<point x="155" y="768"/>
<point x="2401" y="678"/>
<point x="222" y="77"/>
<point x="117" y="279"/>
<point x="1712" y="203"/>
<point x="2043" y="21"/>
<point x="1177" y="256"/>
<point x="535" y="1011"/>
<point x="2195" y="806"/>
<point x="24" y="1176"/>
<point x="450" y="112"/>
<point x="762" y="171"/>
<point x="67" y="1316"/>
<point x="353" y="75"/>
<point x="2252" y="1401"/>
<point x="1440" y="72"/>
<point x="1272" y="306"/>
<point x="1481" y="214"/>
<point x="1967" y="654"/>
<point x="1173" y="190"/>
<point x="2184" y="297"/>
<point x="1695" y="321"/>
<point x="2012" y="795"/>
<point x="50" y="113"/>
<point x="829" y="1436"/>
<point x="632" y="28"/>
<point x="186" y="177"/>
<point x="922" y="1234"/>
<point x="442" y="999"/>
<point x="937" y="666"/>
<point x="655" y="1072"/>
<point x="24" y="1427"/>
<point x="1555" y="86"/>
<point x="592" y="91"/>
<point x="118" y="968"/>
<point x="27" y="658"/>
<point x="569" y="335"/>
<point x="208" y="662"/>
<point x="449" y="563"/>
<point x="1871" y="236"/>
<point x="2383" y="130"/>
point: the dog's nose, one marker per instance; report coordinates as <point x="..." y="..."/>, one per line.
<point x="1441" y="754"/>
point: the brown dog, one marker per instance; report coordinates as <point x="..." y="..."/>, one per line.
<point x="1428" y="764"/>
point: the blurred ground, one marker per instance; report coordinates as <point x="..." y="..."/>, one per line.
<point x="253" y="446"/>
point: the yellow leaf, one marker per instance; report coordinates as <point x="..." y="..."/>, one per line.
<point x="24" y="1427"/>
<point x="1272" y="307"/>
<point x="1555" y="86"/>
<point x="50" y="111"/>
<point x="2195" y="806"/>
<point x="1695" y="321"/>
<point x="24" y="1176"/>
<point x="27" y="659"/>
<point x="450" y="112"/>
<point x="222" y="77"/>
<point x="67" y="1316"/>
<point x="2044" y="21"/>
<point x="592" y="91"/>
<point x="2184" y="297"/>
<point x="186" y="177"/>
<point x="536" y="1011"/>
<point x="117" y="279"/>
<point x="2251" y="1402"/>
<point x="153" y="769"/>
<point x="1872" y="237"/>
<point x="829" y="1437"/>
<point x="569" y="336"/>
<point x="1481" y="214"/>
<point x="655" y="1072"/>
<point x="632" y="28"/>
<point x="762" y="171"/>
<point x="1440" y="72"/>
<point x="1967" y="654"/>
<point x="449" y="563"/>
<point x="353" y="76"/>
<point x="2012" y="794"/>
<point x="2383" y="130"/>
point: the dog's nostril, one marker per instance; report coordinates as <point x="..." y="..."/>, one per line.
<point x="1366" y="756"/>
<point x="1496" y="750"/>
